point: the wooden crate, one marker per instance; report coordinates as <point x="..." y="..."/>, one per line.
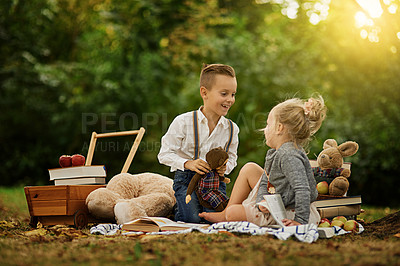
<point x="52" y="205"/>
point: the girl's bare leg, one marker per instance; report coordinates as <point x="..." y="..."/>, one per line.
<point x="245" y="182"/>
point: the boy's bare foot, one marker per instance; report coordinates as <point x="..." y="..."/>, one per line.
<point x="214" y="217"/>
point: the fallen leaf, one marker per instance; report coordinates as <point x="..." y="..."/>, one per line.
<point x="8" y="225"/>
<point x="36" y="232"/>
<point x="397" y="235"/>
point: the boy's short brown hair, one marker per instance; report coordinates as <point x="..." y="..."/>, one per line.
<point x="209" y="71"/>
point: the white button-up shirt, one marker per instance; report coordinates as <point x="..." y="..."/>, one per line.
<point x="177" y="145"/>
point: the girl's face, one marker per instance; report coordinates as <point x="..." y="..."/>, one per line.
<point x="270" y="131"/>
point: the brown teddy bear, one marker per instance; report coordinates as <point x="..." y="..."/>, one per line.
<point x="207" y="185"/>
<point x="127" y="197"/>
<point x="329" y="167"/>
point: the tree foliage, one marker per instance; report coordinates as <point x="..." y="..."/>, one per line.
<point x="68" y="68"/>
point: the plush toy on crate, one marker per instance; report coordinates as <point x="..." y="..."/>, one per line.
<point x="331" y="178"/>
<point x="207" y="186"/>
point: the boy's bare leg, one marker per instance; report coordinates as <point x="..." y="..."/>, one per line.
<point x="245" y="182"/>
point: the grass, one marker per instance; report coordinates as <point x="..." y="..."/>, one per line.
<point x="61" y="245"/>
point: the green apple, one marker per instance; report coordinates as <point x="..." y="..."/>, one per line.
<point x="337" y="223"/>
<point x="340" y="218"/>
<point x="324" y="224"/>
<point x="323" y="188"/>
<point x="351" y="225"/>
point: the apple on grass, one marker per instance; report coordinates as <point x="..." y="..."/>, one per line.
<point x="351" y="225"/>
<point x="323" y="187"/>
<point x="78" y="160"/>
<point x="65" y="161"/>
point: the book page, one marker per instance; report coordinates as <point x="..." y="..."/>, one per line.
<point x="165" y="223"/>
<point x="275" y="206"/>
<point x="162" y="223"/>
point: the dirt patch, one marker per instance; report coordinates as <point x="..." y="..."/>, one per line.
<point x="384" y="227"/>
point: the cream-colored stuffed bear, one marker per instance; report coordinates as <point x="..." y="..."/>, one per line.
<point x="127" y="197"/>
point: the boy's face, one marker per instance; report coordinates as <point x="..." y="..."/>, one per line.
<point x="221" y="96"/>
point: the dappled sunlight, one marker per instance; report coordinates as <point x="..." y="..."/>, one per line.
<point x="370" y="20"/>
<point x="373" y="7"/>
<point x="372" y="17"/>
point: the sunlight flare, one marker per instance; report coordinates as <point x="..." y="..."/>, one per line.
<point x="373" y="7"/>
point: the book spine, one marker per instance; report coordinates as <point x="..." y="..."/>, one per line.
<point x="349" y="200"/>
<point x="339" y="211"/>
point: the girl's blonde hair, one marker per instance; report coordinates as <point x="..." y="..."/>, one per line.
<point x="302" y="119"/>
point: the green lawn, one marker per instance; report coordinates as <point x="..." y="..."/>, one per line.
<point x="21" y="245"/>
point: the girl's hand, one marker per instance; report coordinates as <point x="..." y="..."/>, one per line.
<point x="262" y="208"/>
<point x="288" y="222"/>
<point x="199" y="166"/>
<point x="221" y="170"/>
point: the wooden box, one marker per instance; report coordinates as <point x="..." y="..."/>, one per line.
<point x="65" y="204"/>
<point x="52" y="205"/>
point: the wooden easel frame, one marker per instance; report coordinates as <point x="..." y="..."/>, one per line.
<point x="132" y="152"/>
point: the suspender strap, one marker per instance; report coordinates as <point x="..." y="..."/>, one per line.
<point x="230" y="136"/>
<point x="196" y="136"/>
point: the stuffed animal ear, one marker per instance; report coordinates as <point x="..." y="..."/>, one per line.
<point x="348" y="148"/>
<point x="330" y="143"/>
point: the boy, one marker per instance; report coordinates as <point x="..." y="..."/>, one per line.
<point x="191" y="135"/>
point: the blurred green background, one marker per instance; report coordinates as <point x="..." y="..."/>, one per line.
<point x="69" y="67"/>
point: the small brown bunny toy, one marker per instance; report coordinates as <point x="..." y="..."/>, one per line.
<point x="330" y="161"/>
<point x="207" y="186"/>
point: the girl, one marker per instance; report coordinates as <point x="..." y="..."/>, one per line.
<point x="287" y="170"/>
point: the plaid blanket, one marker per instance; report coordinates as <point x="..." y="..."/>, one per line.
<point x="304" y="233"/>
<point x="208" y="189"/>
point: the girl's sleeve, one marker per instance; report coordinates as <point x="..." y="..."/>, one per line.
<point x="294" y="170"/>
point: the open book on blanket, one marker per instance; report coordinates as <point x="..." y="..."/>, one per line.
<point x="275" y="206"/>
<point x="157" y="224"/>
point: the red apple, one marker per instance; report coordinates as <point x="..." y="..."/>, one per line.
<point x="325" y="220"/>
<point x="323" y="187"/>
<point x="351" y="225"/>
<point x="65" y="161"/>
<point x="78" y="160"/>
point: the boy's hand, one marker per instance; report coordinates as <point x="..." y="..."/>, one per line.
<point x="199" y="166"/>
<point x="221" y="170"/>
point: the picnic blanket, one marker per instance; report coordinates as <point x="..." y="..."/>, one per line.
<point x="307" y="233"/>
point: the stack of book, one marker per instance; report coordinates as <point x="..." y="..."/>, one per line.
<point x="79" y="175"/>
<point x="339" y="206"/>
